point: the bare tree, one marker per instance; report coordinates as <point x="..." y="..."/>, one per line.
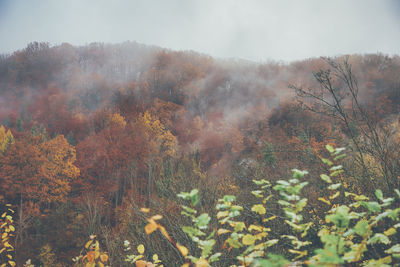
<point x="338" y="97"/>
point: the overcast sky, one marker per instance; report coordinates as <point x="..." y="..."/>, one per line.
<point x="250" y="29"/>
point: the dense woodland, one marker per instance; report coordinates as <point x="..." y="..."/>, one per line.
<point x="91" y="135"/>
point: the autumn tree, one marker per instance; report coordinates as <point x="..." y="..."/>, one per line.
<point x="6" y="139"/>
<point x="35" y="175"/>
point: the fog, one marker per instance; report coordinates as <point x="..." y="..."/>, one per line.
<point x="254" y="30"/>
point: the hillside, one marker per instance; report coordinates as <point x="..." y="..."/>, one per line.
<point x="92" y="134"/>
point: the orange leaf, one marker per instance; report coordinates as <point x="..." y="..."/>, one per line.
<point x="141" y="263"/>
<point x="104" y="257"/>
<point x="150" y="227"/>
<point x="165" y="233"/>
<point x="90" y="256"/>
<point x="183" y="250"/>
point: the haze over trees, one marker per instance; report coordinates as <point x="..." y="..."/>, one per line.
<point x="90" y="135"/>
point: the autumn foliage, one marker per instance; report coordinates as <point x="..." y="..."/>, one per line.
<point x="91" y="134"/>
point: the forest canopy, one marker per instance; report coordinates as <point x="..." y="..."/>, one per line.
<point x="89" y="135"/>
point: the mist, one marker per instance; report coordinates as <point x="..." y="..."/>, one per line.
<point x="254" y="30"/>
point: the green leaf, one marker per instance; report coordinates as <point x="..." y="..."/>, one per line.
<point x="239" y="226"/>
<point x="372" y="206"/>
<point x="334" y="186"/>
<point x="271" y="242"/>
<point x="361" y="228"/>
<point x="379" y="194"/>
<point x="234" y="243"/>
<point x="257" y="193"/>
<point x="339" y="150"/>
<point x="340" y="218"/>
<point x="214" y="257"/>
<point x="207" y="246"/>
<point x="336" y="168"/>
<point x="326" y="178"/>
<point x="339" y="156"/>
<point x="379" y="238"/>
<point x="397" y="193"/>
<point x="203" y="220"/>
<point x="194" y="197"/>
<point x="229" y="198"/>
<point x="330" y="148"/>
<point x="189" y="210"/>
<point x="297" y="174"/>
<point x="327" y="161"/>
<point x="222" y="206"/>
<point x="301" y="204"/>
<point x="191" y="231"/>
<point x="394" y="250"/>
<point x="272" y="261"/>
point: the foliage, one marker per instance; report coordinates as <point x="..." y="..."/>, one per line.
<point x="6" y="139"/>
<point x="91" y="255"/>
<point x="7" y="230"/>
<point x="139" y="259"/>
<point x="351" y="227"/>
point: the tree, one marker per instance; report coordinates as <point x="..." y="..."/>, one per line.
<point x="38" y="172"/>
<point x="338" y="97"/>
<point x="6" y="139"/>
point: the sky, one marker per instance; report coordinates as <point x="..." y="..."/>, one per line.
<point x="257" y="30"/>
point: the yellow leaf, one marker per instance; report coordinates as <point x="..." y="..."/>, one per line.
<point x="96" y="254"/>
<point x="155" y="257"/>
<point x="256" y="228"/>
<point x="88" y="244"/>
<point x="12" y="228"/>
<point x="259" y="209"/>
<point x="145" y="210"/>
<point x="324" y="200"/>
<point x="390" y="231"/>
<point x="260" y="236"/>
<point x="222" y="214"/>
<point x="9" y="256"/>
<point x="90" y="264"/>
<point x="4" y="235"/>
<point x="100" y="264"/>
<point x="140" y="249"/>
<point x="298" y="252"/>
<point x="270" y="218"/>
<point x="12" y="263"/>
<point x="185" y="265"/>
<point x="150" y="227"/>
<point x="248" y="240"/>
<point x="335" y="195"/>
<point x="182" y="249"/>
<point x="202" y="263"/>
<point x="157" y="217"/>
<point x="4" y="215"/>
<point x="222" y="231"/>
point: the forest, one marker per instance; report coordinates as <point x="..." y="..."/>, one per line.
<point x="135" y="155"/>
